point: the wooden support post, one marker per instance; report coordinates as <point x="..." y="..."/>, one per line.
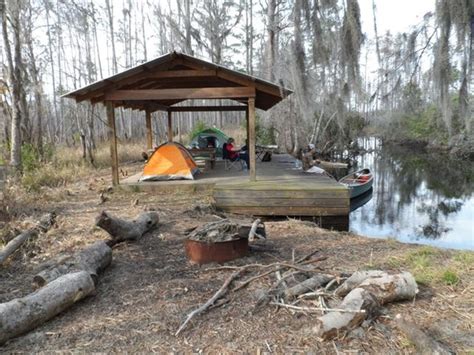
<point x="170" y="127"/>
<point x="251" y="142"/>
<point x="112" y="137"/>
<point x="247" y="125"/>
<point x="149" y="131"/>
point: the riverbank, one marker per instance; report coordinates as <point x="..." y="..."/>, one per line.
<point x="143" y="297"/>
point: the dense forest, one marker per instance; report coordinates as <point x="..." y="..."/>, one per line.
<point x="417" y="89"/>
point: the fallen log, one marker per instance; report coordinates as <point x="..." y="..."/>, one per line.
<point x="385" y="287"/>
<point x="355" y="280"/>
<point x="357" y="306"/>
<point x="43" y="225"/>
<point x="423" y="342"/>
<point x="93" y="259"/>
<point x="307" y="285"/>
<point x="368" y="295"/>
<point x="23" y="314"/>
<point x="121" y="230"/>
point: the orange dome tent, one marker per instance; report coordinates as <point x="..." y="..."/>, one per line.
<point x="170" y="161"/>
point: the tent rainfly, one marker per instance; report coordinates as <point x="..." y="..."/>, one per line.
<point x="167" y="81"/>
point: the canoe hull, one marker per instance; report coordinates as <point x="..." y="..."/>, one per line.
<point x="356" y="187"/>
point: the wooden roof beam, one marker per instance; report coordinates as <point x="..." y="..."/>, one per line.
<point x="181" y="94"/>
<point x="207" y="108"/>
<point x="114" y="85"/>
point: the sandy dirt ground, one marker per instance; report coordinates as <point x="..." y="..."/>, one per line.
<point x="144" y="296"/>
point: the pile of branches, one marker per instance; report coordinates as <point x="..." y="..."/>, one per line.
<point x="344" y="301"/>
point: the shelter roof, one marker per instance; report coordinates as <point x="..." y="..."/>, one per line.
<point x="175" y="77"/>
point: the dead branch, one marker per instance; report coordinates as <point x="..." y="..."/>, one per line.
<point x="221" y="292"/>
<point x="43" y="225"/>
<point x="253" y="231"/>
<point x="316" y="309"/>
<point x="307" y="285"/>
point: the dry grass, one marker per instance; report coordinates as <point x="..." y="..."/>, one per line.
<point x="143" y="297"/>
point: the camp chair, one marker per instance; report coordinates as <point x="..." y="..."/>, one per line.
<point x="228" y="163"/>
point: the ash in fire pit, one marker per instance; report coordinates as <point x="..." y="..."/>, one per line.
<point x="226" y="230"/>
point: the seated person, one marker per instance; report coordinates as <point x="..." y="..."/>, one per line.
<point x="235" y="153"/>
<point x="309" y="157"/>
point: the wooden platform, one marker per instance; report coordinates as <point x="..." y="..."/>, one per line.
<point x="280" y="190"/>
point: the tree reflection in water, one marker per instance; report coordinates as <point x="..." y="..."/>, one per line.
<point x="417" y="196"/>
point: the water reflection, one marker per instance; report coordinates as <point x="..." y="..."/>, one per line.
<point x="417" y="197"/>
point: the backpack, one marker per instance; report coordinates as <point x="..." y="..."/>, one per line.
<point x="267" y="156"/>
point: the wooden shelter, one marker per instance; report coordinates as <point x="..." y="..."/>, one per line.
<point x="162" y="83"/>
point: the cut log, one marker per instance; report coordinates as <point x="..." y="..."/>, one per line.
<point x="361" y="305"/>
<point x="423" y="342"/>
<point x="355" y="280"/>
<point x="307" y="285"/>
<point x="121" y="230"/>
<point x="371" y="292"/>
<point x="23" y="314"/>
<point x="93" y="259"/>
<point x="385" y="287"/>
<point x="227" y="229"/>
<point x="43" y="225"/>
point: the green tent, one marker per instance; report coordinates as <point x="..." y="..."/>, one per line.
<point x="202" y="138"/>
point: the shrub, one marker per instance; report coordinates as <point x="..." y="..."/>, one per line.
<point x="198" y="127"/>
<point x="450" y="277"/>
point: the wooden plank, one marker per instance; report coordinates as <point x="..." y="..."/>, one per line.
<point x="181" y="74"/>
<point x="282" y="185"/>
<point x="149" y="132"/>
<point x="287" y="211"/>
<point x="338" y="194"/>
<point x="112" y="137"/>
<point x="251" y="139"/>
<point x="289" y="202"/>
<point x="170" y="127"/>
<point x="185" y="94"/>
<point x="207" y="108"/>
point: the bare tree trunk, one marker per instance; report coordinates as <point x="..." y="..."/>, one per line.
<point x="15" y="78"/>
<point x="271" y="45"/>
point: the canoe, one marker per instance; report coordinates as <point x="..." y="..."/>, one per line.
<point x="358" y="182"/>
<point x="360" y="200"/>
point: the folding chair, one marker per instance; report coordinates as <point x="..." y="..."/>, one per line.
<point x="229" y="163"/>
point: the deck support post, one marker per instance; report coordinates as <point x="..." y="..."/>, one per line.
<point x="149" y="132"/>
<point x="247" y="125"/>
<point x="112" y="137"/>
<point x="170" y="127"/>
<point x="251" y="142"/>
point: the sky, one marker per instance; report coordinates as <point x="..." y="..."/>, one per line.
<point x="393" y="15"/>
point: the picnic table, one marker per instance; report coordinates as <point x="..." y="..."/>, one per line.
<point x="206" y="154"/>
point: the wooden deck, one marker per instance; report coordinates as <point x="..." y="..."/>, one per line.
<point x="280" y="190"/>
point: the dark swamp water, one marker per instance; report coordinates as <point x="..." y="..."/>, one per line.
<point x="417" y="197"/>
